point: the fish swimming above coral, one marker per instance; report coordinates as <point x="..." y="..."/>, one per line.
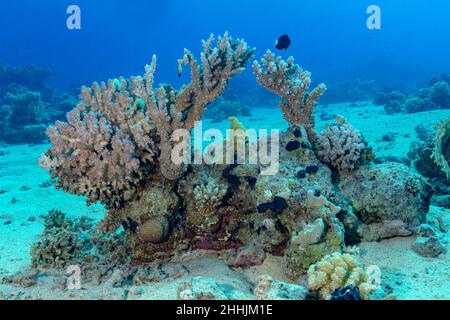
<point x="283" y="43"/>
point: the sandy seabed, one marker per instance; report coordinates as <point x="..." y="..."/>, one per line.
<point x="26" y="196"/>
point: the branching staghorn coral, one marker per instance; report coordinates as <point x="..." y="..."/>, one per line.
<point x="171" y="110"/>
<point x="106" y="149"/>
<point x="339" y="270"/>
<point x="343" y="147"/>
<point x="441" y="150"/>
<point x="109" y="146"/>
<point x="291" y="83"/>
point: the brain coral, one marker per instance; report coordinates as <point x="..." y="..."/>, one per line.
<point x="343" y="147"/>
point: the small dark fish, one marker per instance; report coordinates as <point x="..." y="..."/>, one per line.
<point x="283" y="42"/>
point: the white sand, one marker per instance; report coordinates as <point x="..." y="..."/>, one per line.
<point x="18" y="169"/>
<point x="411" y="276"/>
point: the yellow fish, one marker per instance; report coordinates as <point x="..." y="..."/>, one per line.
<point x="180" y="68"/>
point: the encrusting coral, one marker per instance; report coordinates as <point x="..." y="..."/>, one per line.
<point x="343" y="147"/>
<point x="339" y="270"/>
<point x="291" y="83"/>
<point x="321" y="206"/>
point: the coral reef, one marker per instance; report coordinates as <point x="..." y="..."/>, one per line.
<point x="389" y="198"/>
<point x="223" y="109"/>
<point x="109" y="146"/>
<point x="117" y="149"/>
<point x="430" y="158"/>
<point x="171" y="110"/>
<point x="349" y="91"/>
<point x="67" y="242"/>
<point x="336" y="271"/>
<point x="343" y="147"/>
<point x="27" y="105"/>
<point x="291" y="83"/>
<point x="435" y="96"/>
<point x="393" y="101"/>
<point x="441" y="152"/>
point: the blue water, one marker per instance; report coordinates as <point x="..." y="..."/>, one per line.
<point x="330" y="37"/>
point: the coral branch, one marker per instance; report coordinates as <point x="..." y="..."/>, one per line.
<point x="171" y="110"/>
<point x="107" y="147"/>
<point x="291" y="83"/>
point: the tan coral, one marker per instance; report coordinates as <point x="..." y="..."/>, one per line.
<point x="343" y="147"/>
<point x="291" y="83"/>
<point x="154" y="230"/>
<point x="339" y="270"/>
<point x="107" y="147"/>
<point x="208" y="198"/>
<point x="171" y="110"/>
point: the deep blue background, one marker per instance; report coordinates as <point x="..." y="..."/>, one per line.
<point x="330" y="37"/>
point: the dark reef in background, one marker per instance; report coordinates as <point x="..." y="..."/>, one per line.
<point x="222" y="109"/>
<point x="27" y="105"/>
<point x="436" y="95"/>
<point x="349" y="91"/>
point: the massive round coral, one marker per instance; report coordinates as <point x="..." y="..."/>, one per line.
<point x="343" y="147"/>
